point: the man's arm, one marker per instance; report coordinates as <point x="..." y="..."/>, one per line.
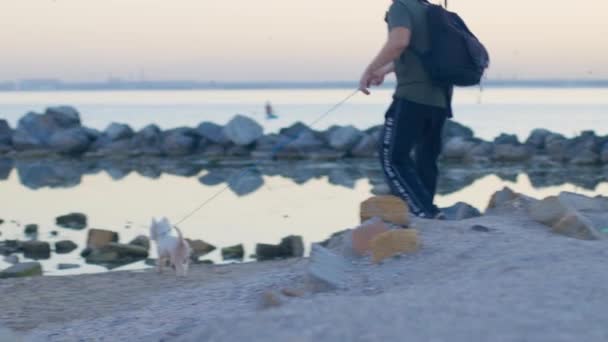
<point x="398" y="41"/>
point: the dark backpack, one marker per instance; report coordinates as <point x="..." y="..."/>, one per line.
<point x="456" y="57"/>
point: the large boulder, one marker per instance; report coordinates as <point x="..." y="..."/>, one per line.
<point x="453" y="129"/>
<point x="148" y="140"/>
<point x="511" y="153"/>
<point x="72" y="221"/>
<point x="367" y="147"/>
<point x="117" y="131"/>
<point x="141" y="241"/>
<point x="213" y="132"/>
<point x="569" y="214"/>
<point x="199" y="248"/>
<point x="116" y="254"/>
<point x="388" y="208"/>
<point x="233" y="252"/>
<point x="179" y="142"/>
<point x="344" y="138"/>
<point x="70" y="141"/>
<point x="604" y="154"/>
<point x="36" y="249"/>
<point x="64" y="116"/>
<point x="457" y="148"/>
<point x="5" y="133"/>
<point x="300" y="144"/>
<point x="537" y="138"/>
<point x="243" y="131"/>
<point x="25" y="269"/>
<point x="506" y="139"/>
<point x="98" y="238"/>
<point x="555" y="145"/>
<point x="34" y="131"/>
<point x="290" y="247"/>
<point x="296" y="129"/>
<point x="584" y="149"/>
<point x="65" y="246"/>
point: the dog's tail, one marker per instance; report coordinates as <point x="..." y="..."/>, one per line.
<point x="183" y="243"/>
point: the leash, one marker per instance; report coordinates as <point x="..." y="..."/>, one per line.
<point x="276" y="149"/>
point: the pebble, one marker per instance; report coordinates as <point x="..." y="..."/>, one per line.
<point x="480" y="228"/>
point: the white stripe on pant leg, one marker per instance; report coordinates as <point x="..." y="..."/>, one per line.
<point x="388" y="143"/>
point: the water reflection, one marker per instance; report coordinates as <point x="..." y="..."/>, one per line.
<point x="66" y="173"/>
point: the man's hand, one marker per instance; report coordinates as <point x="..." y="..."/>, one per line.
<point x="367" y="79"/>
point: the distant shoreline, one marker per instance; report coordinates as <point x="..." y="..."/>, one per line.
<point x="119" y="85"/>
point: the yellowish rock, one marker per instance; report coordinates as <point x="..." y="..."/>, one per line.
<point x="388" y="208"/>
<point x="394" y="242"/>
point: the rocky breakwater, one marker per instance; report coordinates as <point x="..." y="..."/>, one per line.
<point x="59" y="131"/>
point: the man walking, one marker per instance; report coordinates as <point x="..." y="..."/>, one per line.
<point x="415" y="119"/>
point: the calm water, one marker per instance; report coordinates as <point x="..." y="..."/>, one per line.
<point x="308" y="199"/>
<point x="312" y="200"/>
<point x="495" y="110"/>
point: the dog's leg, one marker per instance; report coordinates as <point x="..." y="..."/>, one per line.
<point x="160" y="262"/>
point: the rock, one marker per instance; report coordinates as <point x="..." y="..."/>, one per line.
<point x="270" y="299"/>
<point x="340" y="243"/>
<point x="363" y="235"/>
<point x="67" y="266"/>
<point x="576" y="226"/>
<point x="583" y="203"/>
<point x="303" y="143"/>
<point x="388" y="208"/>
<point x="6" y="167"/>
<point x="344" y="138"/>
<point x="9" y="247"/>
<point x="457" y="149"/>
<point x="293" y="246"/>
<point x="461" y="211"/>
<point x="141" y="241"/>
<point x="265" y="252"/>
<point x="36" y="249"/>
<point x="329" y="268"/>
<point x="11" y="259"/>
<point x="453" y="129"/>
<point x="480" y="228"/>
<point x="295" y="130"/>
<point x="555" y="146"/>
<point x="6" y="133"/>
<point x="586" y="157"/>
<point x="39" y="173"/>
<point x="233" y="253"/>
<point x="116" y="131"/>
<point x="549" y="211"/>
<point x="506" y="139"/>
<point x="65" y="246"/>
<point x="366" y="148"/>
<point x="537" y="138"/>
<point x="511" y="153"/>
<point x="117" y="254"/>
<point x="148" y="140"/>
<point x="34" y="131"/>
<point x="295" y="293"/>
<point x="64" y="116"/>
<point x="394" y="242"/>
<point x="482" y="149"/>
<point x="98" y="238"/>
<point x="178" y="142"/>
<point x="25" y="269"/>
<point x="200" y="248"/>
<point x="70" y="141"/>
<point x="290" y="247"/>
<point x="509" y="201"/>
<point x="243" y="131"/>
<point x="604" y="154"/>
<point x="72" y="221"/>
<point x="31" y="229"/>
<point x="213" y="133"/>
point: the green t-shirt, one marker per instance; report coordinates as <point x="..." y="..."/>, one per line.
<point x="413" y="82"/>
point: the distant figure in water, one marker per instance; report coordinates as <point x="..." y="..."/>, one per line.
<point x="270" y="112"/>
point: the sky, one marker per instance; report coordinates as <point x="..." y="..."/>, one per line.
<point x="283" y="40"/>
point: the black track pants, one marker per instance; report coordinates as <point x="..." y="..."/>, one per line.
<point x="412" y="127"/>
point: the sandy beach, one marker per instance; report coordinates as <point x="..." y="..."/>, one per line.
<point x="516" y="282"/>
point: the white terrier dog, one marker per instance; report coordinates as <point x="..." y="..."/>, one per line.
<point x="171" y="246"/>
